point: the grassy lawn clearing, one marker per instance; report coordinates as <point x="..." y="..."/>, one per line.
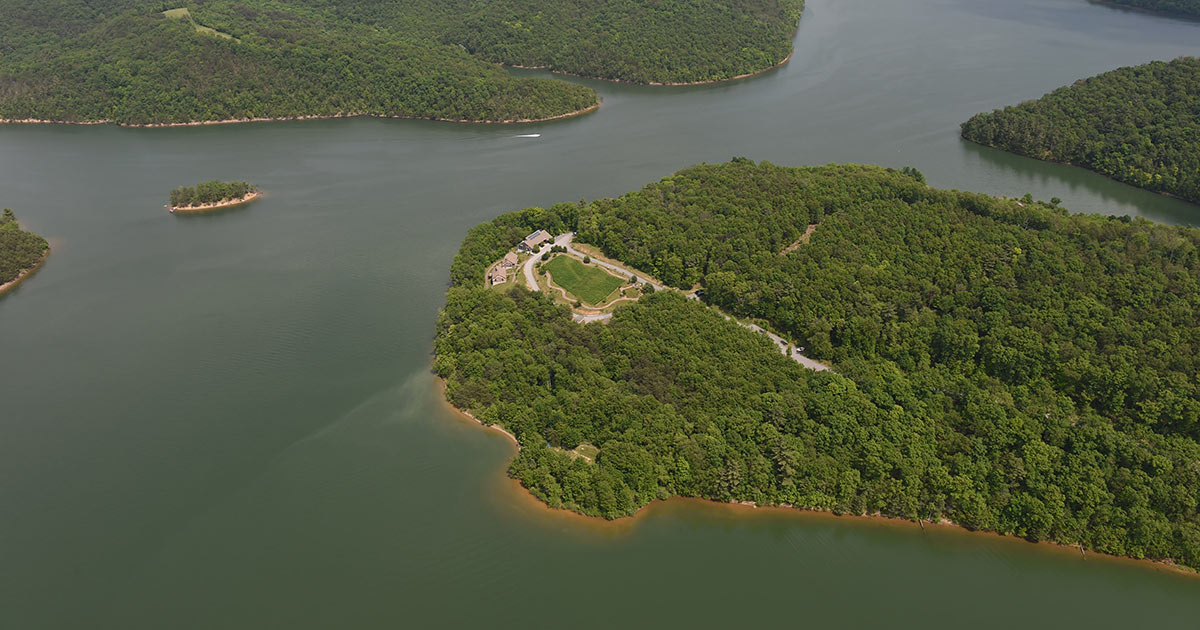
<point x="588" y="283"/>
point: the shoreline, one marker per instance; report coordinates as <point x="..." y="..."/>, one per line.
<point x="263" y="119"/>
<point x="225" y="203"/>
<point x="24" y="275"/>
<point x="1155" y="12"/>
<point x="1084" y="168"/>
<point x="658" y="83"/>
<point x="625" y="522"/>
<point x="466" y="414"/>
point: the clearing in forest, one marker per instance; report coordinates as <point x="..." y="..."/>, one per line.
<point x="184" y="14"/>
<point x="803" y="240"/>
<point x="589" y="283"/>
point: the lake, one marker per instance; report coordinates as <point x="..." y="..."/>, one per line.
<point x="229" y="421"/>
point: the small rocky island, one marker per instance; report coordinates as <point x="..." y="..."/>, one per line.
<point x="211" y="196"/>
<point x="21" y="252"/>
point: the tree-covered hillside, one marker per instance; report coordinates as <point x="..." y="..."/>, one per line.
<point x="153" y="62"/>
<point x="999" y="363"/>
<point x="645" y="41"/>
<point x="1188" y="8"/>
<point x="127" y="62"/>
<point x="664" y="41"/>
<point x="19" y="250"/>
<point x="1139" y="125"/>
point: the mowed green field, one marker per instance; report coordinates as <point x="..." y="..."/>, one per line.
<point x="588" y="283"/>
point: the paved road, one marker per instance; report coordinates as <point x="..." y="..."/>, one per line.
<point x="565" y="240"/>
<point x="783" y="347"/>
<point x="530" y="279"/>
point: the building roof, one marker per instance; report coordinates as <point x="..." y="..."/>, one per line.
<point x="537" y="238"/>
<point x="510" y="260"/>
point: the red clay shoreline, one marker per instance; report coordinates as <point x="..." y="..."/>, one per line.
<point x="199" y="123"/>
<point x="801" y="512"/>
<point x="24" y="275"/>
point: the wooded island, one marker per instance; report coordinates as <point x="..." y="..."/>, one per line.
<point x="211" y="196"/>
<point x="998" y="363"/>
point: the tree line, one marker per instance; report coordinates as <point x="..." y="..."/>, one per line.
<point x="19" y="250"/>
<point x="209" y="192"/>
<point x="1139" y="125"/>
<point x="1003" y="364"/>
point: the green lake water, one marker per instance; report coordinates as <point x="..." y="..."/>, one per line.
<point x="228" y="420"/>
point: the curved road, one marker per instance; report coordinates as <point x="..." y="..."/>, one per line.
<point x="565" y="240"/>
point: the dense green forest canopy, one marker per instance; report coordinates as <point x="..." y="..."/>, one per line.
<point x="19" y="250"/>
<point x="646" y="41"/>
<point x="1002" y="364"/>
<point x="1139" y="125"/>
<point x="1189" y="8"/>
<point x="154" y="62"/>
<point x="127" y="62"/>
<point x="209" y="192"/>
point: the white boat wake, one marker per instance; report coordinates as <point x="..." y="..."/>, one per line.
<point x="529" y="135"/>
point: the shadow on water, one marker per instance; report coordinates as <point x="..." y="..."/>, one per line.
<point x="211" y="214"/>
<point x="1116" y="198"/>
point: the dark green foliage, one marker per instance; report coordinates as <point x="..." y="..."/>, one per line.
<point x="209" y="192"/>
<point x="19" y="250"/>
<point x="124" y="61"/>
<point x="1139" y="125"/>
<point x="1004" y="365"/>
<point x="645" y="41"/>
<point x="63" y="60"/>
<point x="1189" y="8"/>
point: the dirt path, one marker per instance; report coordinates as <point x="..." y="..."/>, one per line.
<point x="812" y="227"/>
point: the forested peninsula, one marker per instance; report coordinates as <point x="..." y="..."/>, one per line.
<point x="1139" y="125"/>
<point x="128" y="62"/>
<point x="20" y="252"/>
<point x="211" y="196"/>
<point x="1004" y="365"/>
<point x="1186" y="8"/>
<point x="641" y="41"/>
<point x="145" y="62"/>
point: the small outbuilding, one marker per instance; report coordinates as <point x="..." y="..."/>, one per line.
<point x="510" y="260"/>
<point x="499" y="275"/>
